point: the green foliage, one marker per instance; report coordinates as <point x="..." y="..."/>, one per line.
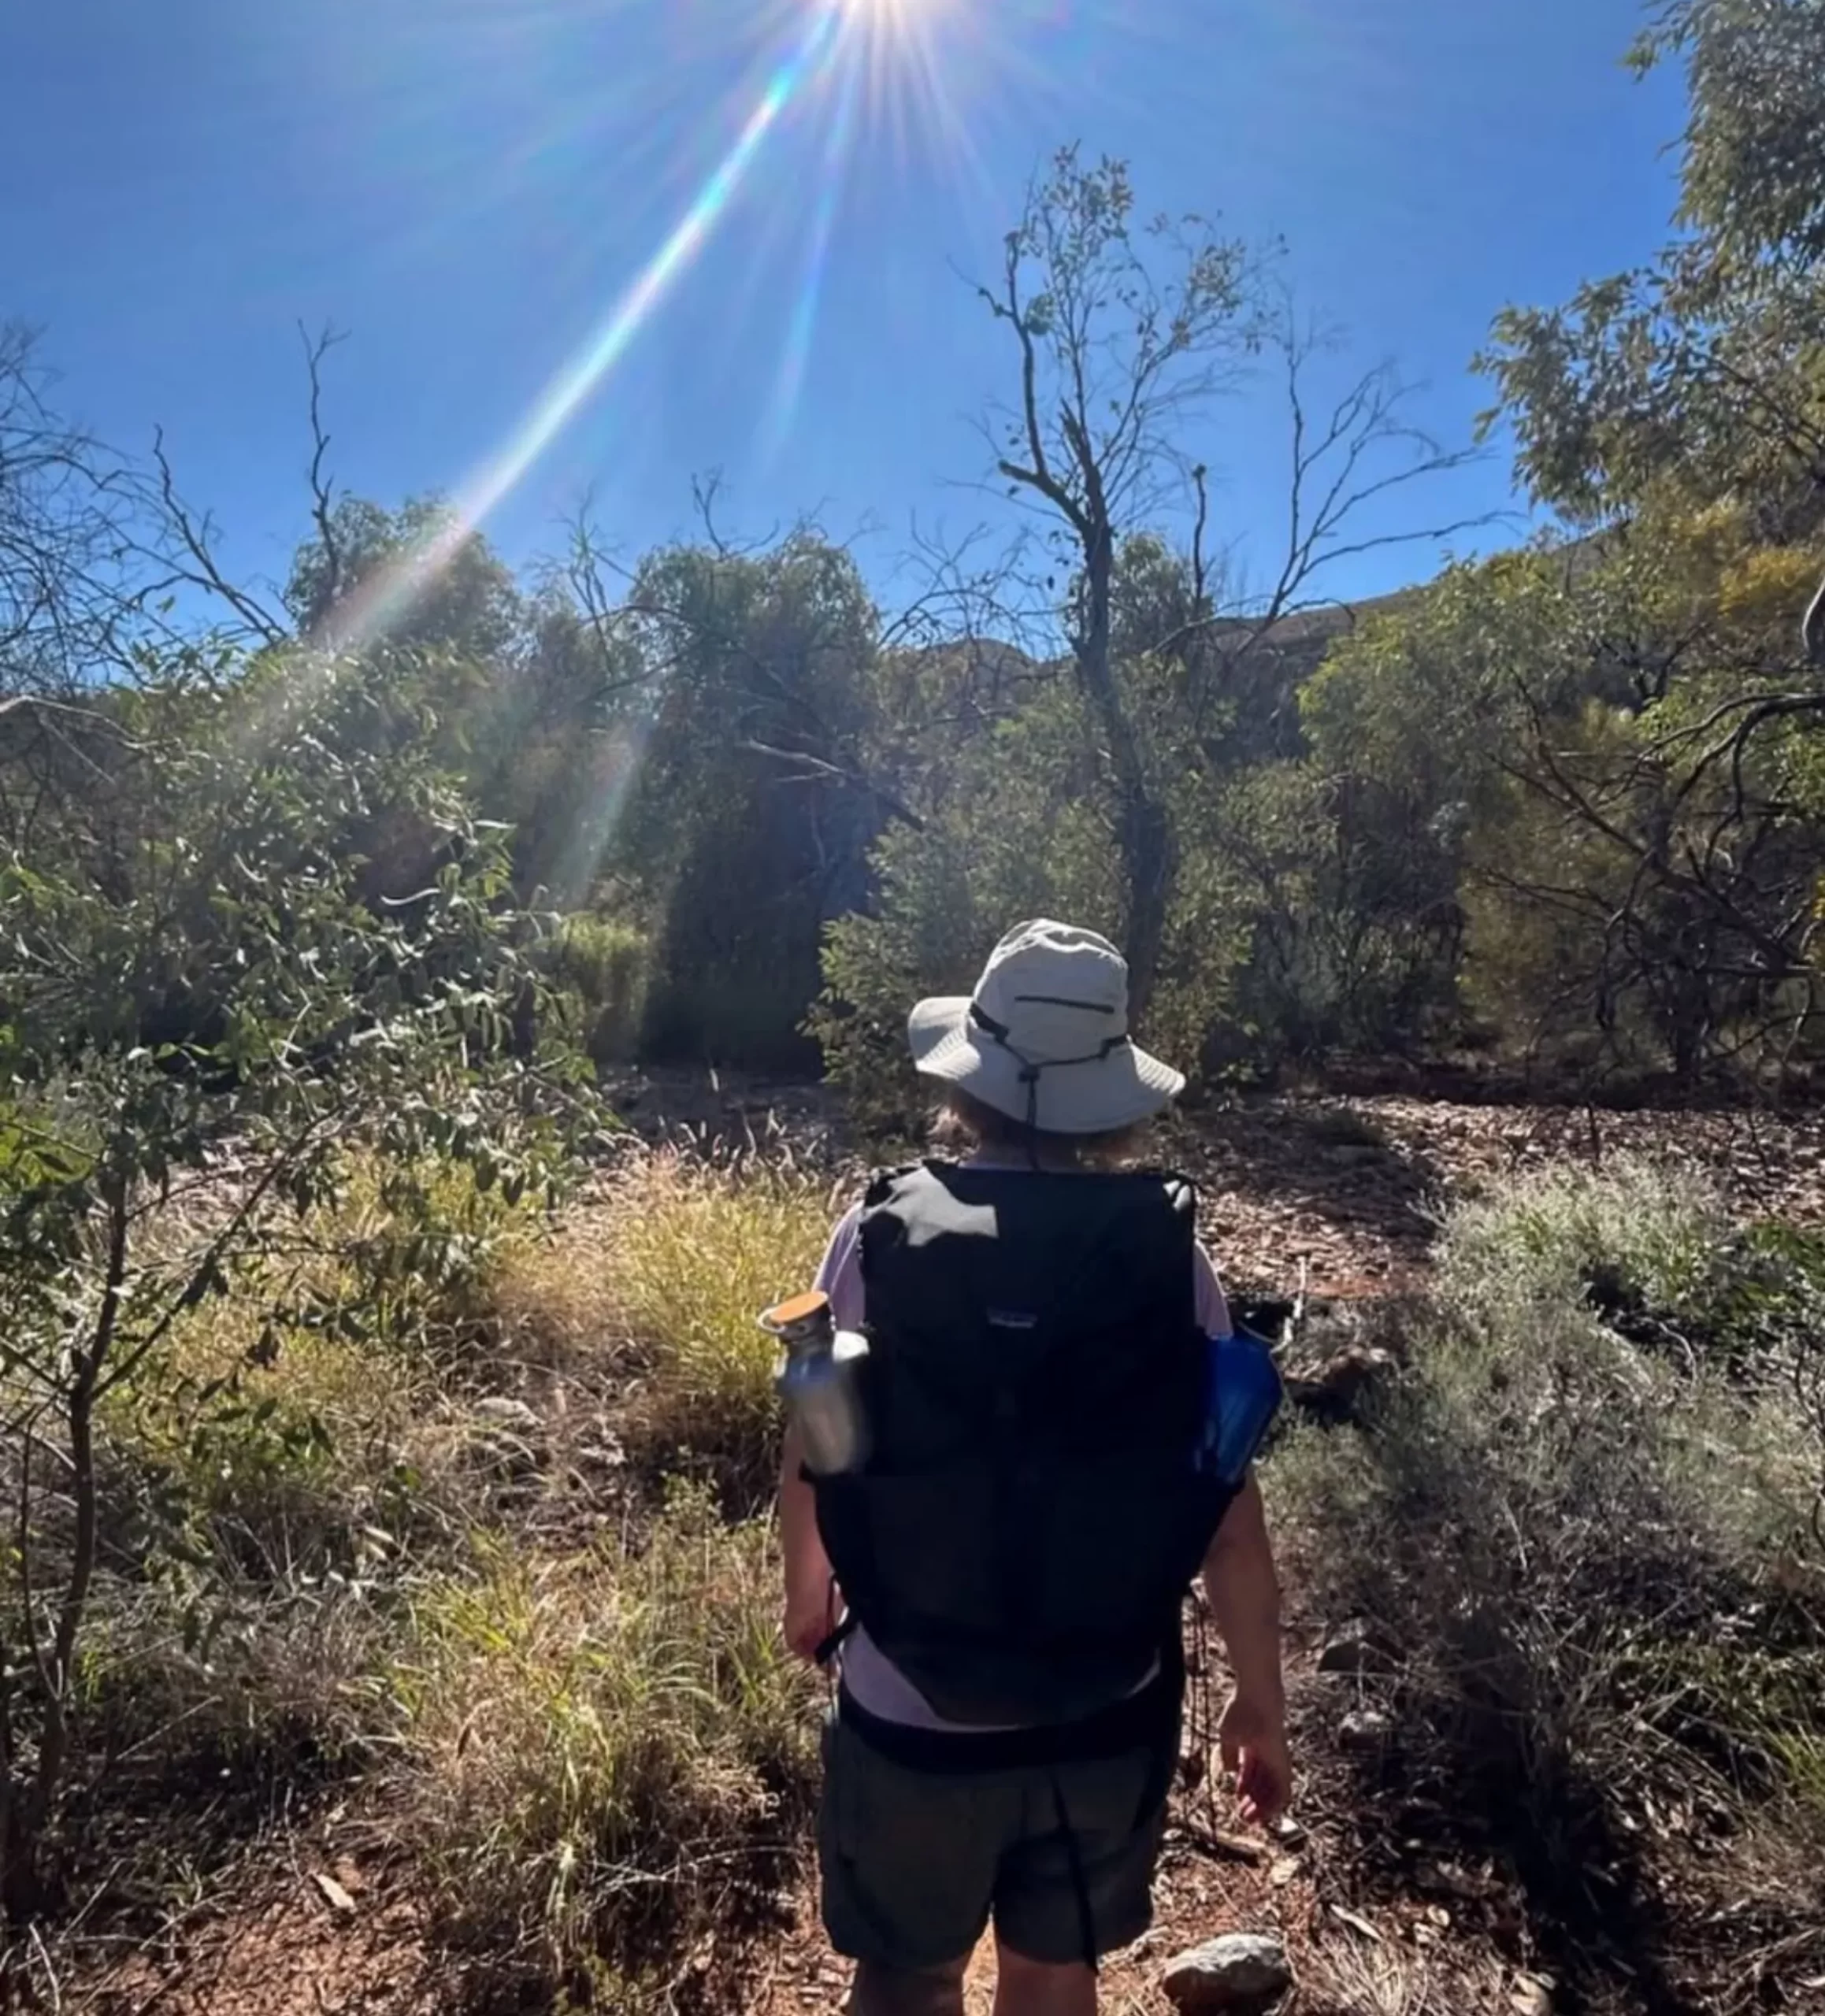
<point x="1595" y="744"/>
<point x="415" y="575"/>
<point x="1709" y="1324"/>
<point x="1567" y="804"/>
<point x="1591" y="1545"/>
<point x="1756" y="77"/>
<point x="1655" y="1234"/>
<point x="747" y="827"/>
<point x="1702" y="371"/>
<point x="562" y="750"/>
<point x="240" y="972"/>
<point x="598" y="966"/>
<point x="407" y="1255"/>
<point x="284" y="1035"/>
<point x="530" y="700"/>
<point x="1355" y="937"/>
<point x="289" y="1465"/>
<point x="1667" y="788"/>
<point x="1022" y="830"/>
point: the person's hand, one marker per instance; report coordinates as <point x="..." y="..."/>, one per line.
<point x="811" y="1615"/>
<point x="1251" y="1739"/>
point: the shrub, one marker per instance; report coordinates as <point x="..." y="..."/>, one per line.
<point x="1640" y="1233"/>
<point x="600" y="965"/>
<point x="285" y="1466"/>
<point x="252" y="976"/>
<point x="591" y="1750"/>
<point x="1598" y="1559"/>
<point x="1020" y="829"/>
<point x="285" y="1452"/>
<point x="1653" y="1254"/>
<point x="695" y="1251"/>
<point x="409" y="1255"/>
<point x="1352" y="914"/>
<point x="302" y="1426"/>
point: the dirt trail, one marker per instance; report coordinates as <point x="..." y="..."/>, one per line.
<point x="1353" y="1188"/>
<point x="306" y="1933"/>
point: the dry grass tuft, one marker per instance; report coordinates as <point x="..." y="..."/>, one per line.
<point x="693" y="1250"/>
<point x="601" y="1747"/>
<point x="294" y="1461"/>
<point x="1350" y="1977"/>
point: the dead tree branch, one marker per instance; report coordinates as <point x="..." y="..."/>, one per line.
<point x="322" y="485"/>
<point x="190" y="559"/>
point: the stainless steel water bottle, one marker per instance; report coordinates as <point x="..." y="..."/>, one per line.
<point x="819" y="1379"/>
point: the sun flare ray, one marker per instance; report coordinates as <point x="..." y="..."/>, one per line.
<point x="890" y="68"/>
<point x="380" y="603"/>
<point x="795" y="359"/>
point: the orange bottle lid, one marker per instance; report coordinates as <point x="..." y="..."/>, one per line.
<point x="800" y="1309"/>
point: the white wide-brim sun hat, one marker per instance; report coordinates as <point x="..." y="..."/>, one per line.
<point x="1045" y="1038"/>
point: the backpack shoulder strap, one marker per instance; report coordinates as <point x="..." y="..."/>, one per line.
<point x="881" y="1181"/>
<point x="1179" y="1188"/>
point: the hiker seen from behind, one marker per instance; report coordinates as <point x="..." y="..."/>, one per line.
<point x="1020" y="1425"/>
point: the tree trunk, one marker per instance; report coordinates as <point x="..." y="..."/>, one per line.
<point x="1150" y="863"/>
<point x="31" y="1807"/>
<point x="1149" y="847"/>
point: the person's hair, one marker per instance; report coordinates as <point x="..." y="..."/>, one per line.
<point x="964" y="1125"/>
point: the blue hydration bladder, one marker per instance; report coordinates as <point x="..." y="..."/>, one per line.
<point x="1243" y="1396"/>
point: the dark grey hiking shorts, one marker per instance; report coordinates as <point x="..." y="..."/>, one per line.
<point x="916" y="1863"/>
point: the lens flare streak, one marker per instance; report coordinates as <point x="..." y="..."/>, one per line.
<point x="796" y="357"/>
<point x="380" y="603"/>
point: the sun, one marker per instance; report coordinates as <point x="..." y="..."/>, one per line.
<point x="894" y="13"/>
<point x="913" y="61"/>
<point x="897" y="21"/>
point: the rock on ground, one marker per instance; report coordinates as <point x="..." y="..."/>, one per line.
<point x="1367" y="1728"/>
<point x="1243" y="1970"/>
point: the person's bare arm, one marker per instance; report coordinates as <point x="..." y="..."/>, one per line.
<point x="810" y="1603"/>
<point x="1243" y="1590"/>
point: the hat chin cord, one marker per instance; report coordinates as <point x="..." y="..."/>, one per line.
<point x="998" y="1034"/>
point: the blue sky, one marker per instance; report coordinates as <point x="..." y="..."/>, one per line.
<point x="467" y="187"/>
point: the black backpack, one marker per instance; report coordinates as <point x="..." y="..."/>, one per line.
<point x="1032" y="1511"/>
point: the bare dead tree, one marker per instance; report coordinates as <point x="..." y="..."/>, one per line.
<point x="1111" y="356"/>
<point x="67" y="505"/>
<point x="181" y="549"/>
<point x="102" y="552"/>
<point x="596" y="584"/>
<point x="1344" y="459"/>
<point x="323" y="494"/>
<point x="1127" y="337"/>
<point x="179" y="544"/>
